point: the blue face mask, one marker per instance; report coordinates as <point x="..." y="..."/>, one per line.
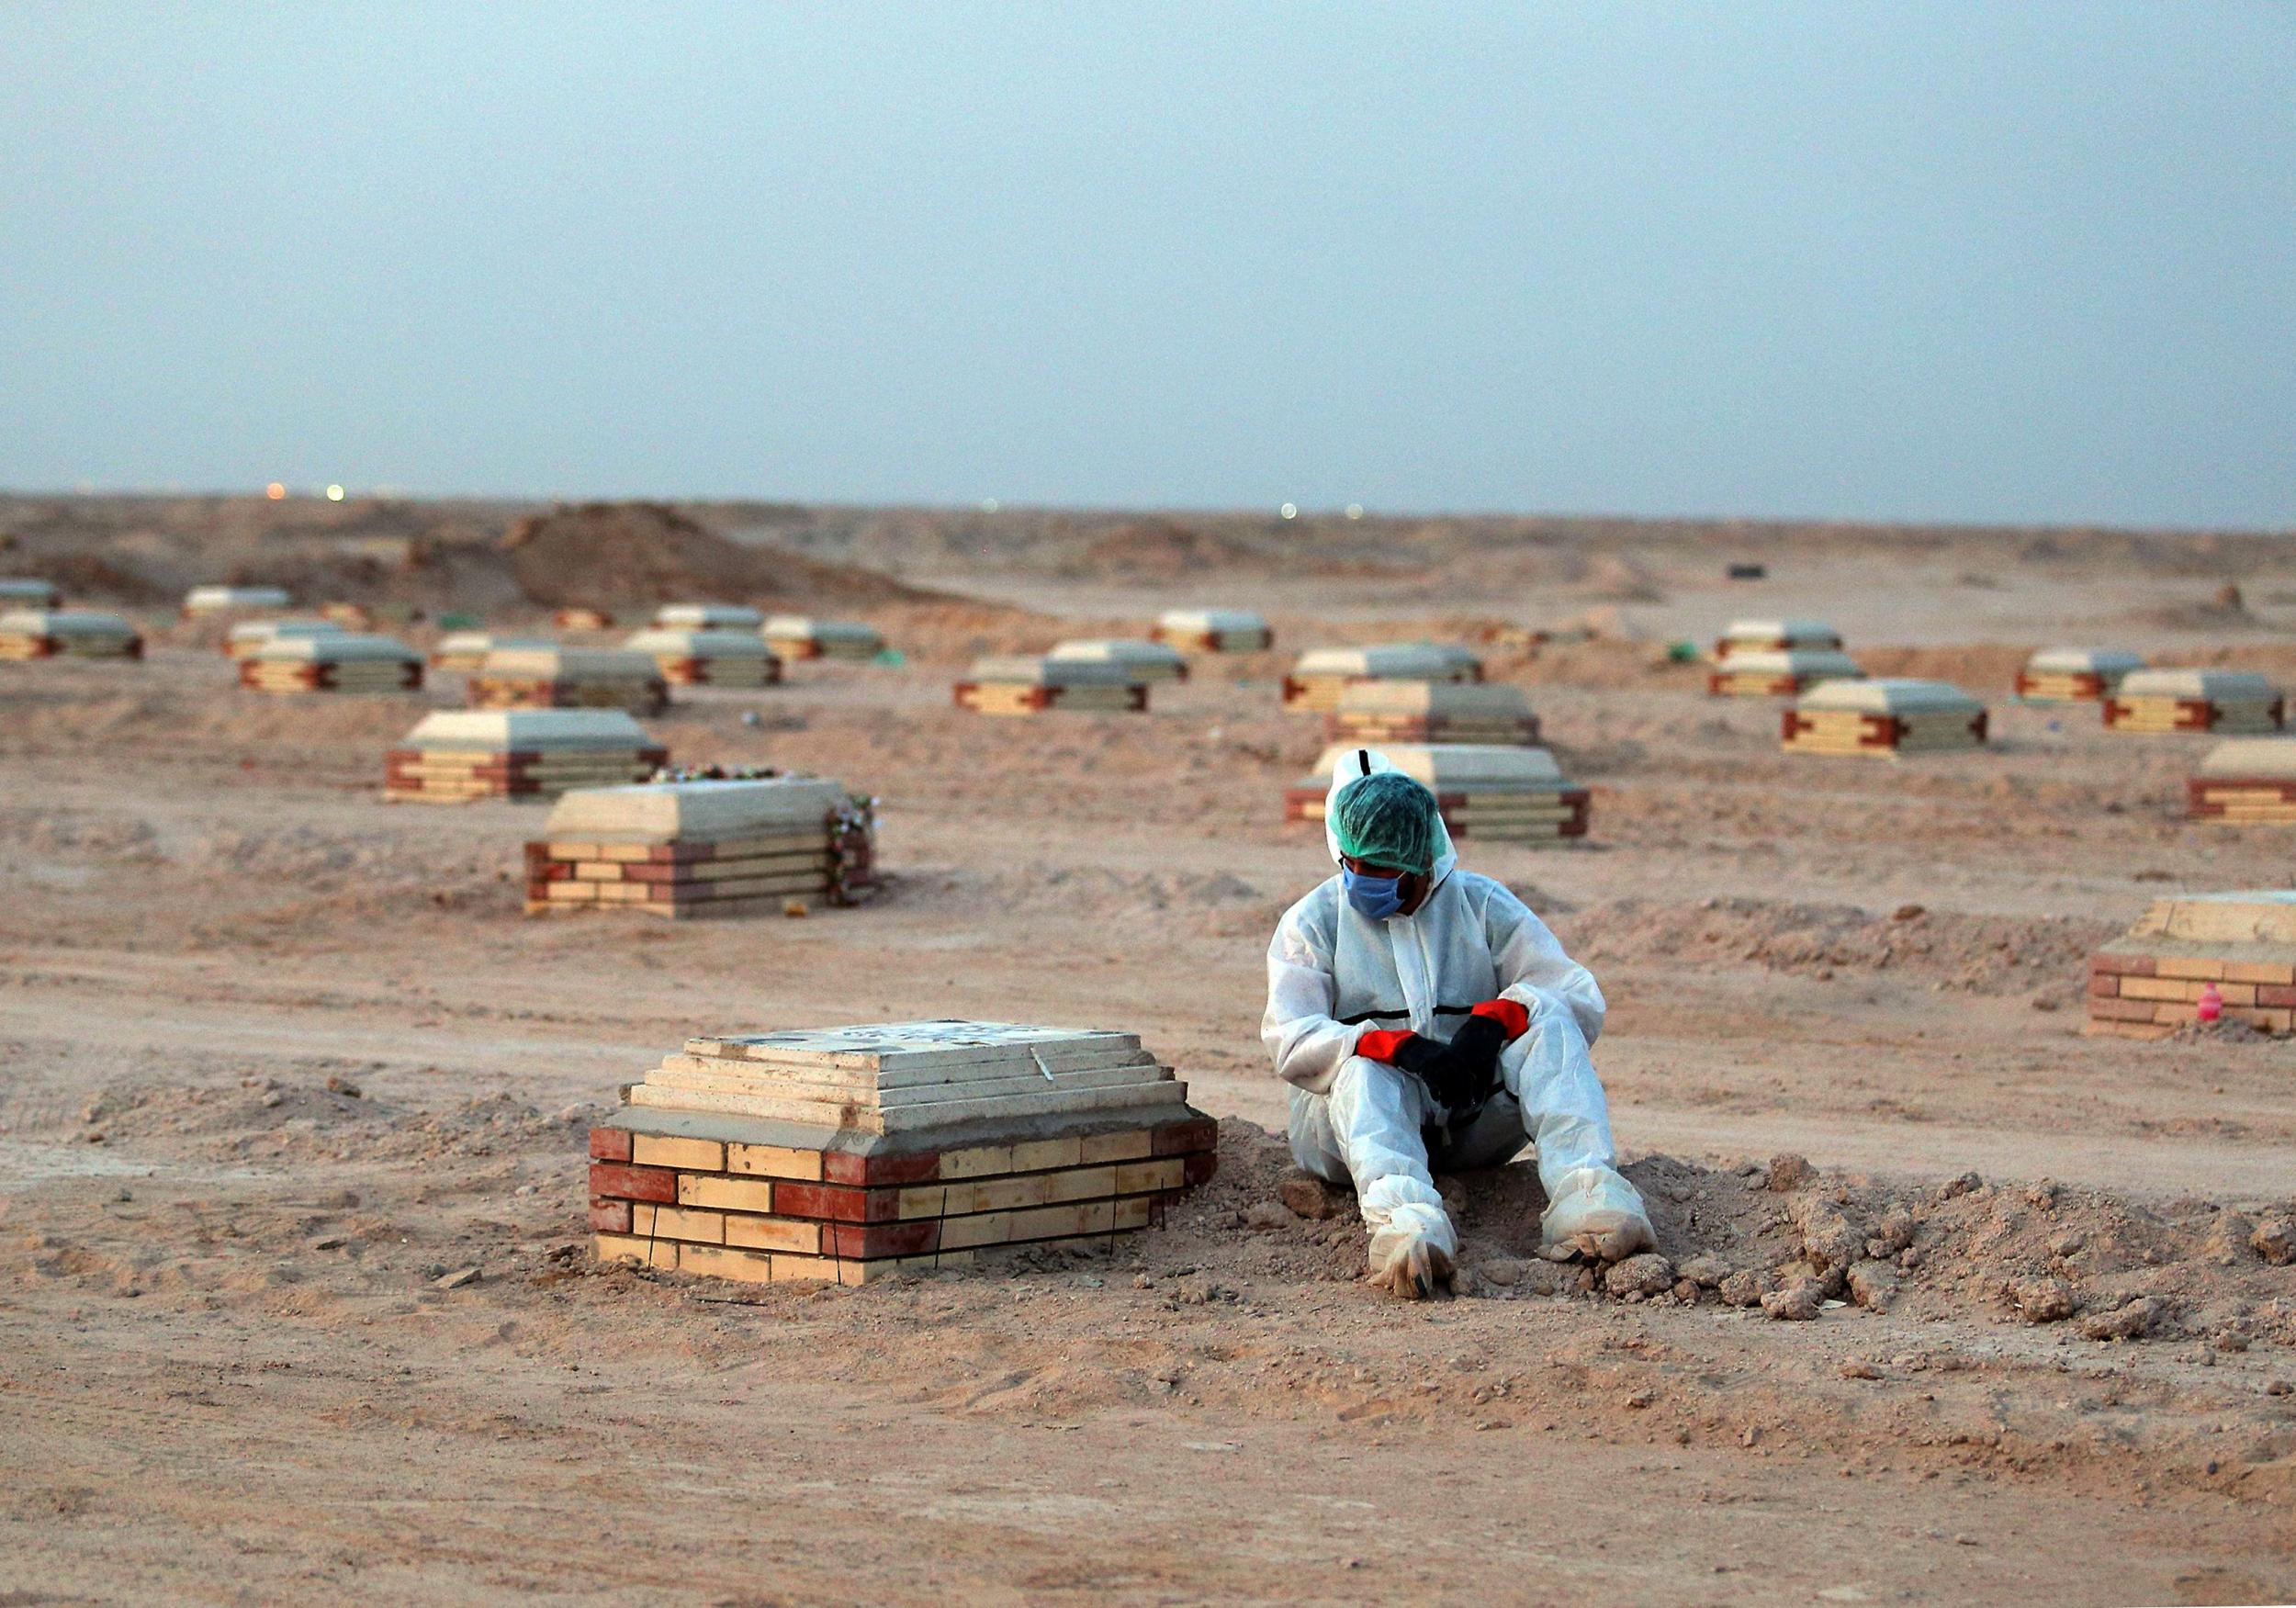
<point x="1376" y="898"/>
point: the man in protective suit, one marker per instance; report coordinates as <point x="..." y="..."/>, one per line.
<point x="1420" y="1012"/>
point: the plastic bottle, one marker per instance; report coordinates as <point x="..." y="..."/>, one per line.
<point x="2212" y="1003"/>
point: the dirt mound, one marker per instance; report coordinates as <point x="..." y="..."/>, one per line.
<point x="1161" y="550"/>
<point x="631" y="553"/>
<point x="96" y="576"/>
<point x="1747" y="1236"/>
<point x="1614" y="579"/>
<point x="2222" y="610"/>
<point x="410" y="559"/>
<point x="1982" y="954"/>
<point x="1985" y="669"/>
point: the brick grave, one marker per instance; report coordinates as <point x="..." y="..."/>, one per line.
<point x="845" y="1154"/>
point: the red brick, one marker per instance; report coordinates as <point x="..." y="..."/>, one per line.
<point x="656" y="1184"/>
<point x="913" y="1167"/>
<point x="2121" y="1010"/>
<point x="2104" y="985"/>
<point x="609" y="1217"/>
<point x="1178" y="1138"/>
<point x="610" y="1145"/>
<point x="1200" y="1167"/>
<point x="836" y="1202"/>
<point x="2126" y="965"/>
<point x="893" y="1239"/>
<point x="2275" y="995"/>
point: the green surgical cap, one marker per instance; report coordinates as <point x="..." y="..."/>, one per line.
<point x="1388" y="819"/>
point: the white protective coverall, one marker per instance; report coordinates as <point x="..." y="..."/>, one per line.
<point x="1334" y="975"/>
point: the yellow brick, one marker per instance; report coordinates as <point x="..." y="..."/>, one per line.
<point x="2273" y="1019"/>
<point x="773" y="1233"/>
<point x="660" y="1149"/>
<point x="1001" y="1194"/>
<point x="989" y="1228"/>
<point x="1080" y="1183"/>
<point x="1166" y="1174"/>
<point x="774" y="1161"/>
<point x="2259" y="972"/>
<point x="2157" y="988"/>
<point x="1133" y="1213"/>
<point x="659" y="1253"/>
<point x="717" y="1262"/>
<point x="620" y="1248"/>
<point x="1051" y="1222"/>
<point x="2200" y="971"/>
<point x="2173" y="1015"/>
<point x="2237" y="993"/>
<point x="788" y="1269"/>
<point x="1039" y="1154"/>
<point x="724" y="1193"/>
<point x="1115" y="1147"/>
<point x="980" y="1162"/>
<point x="677" y="1222"/>
<point x="935" y="1199"/>
<point x="1095" y="1217"/>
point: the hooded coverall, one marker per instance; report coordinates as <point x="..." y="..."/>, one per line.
<point x="1334" y="975"/>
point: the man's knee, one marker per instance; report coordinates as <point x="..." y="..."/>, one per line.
<point x="1362" y="1080"/>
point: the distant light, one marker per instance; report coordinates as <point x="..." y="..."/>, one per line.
<point x="1289" y="511"/>
<point x="276" y="491"/>
<point x="1354" y="510"/>
<point x="989" y="505"/>
<point x="335" y="494"/>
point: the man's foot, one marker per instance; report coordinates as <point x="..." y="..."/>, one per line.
<point x="1596" y="1213"/>
<point x="1608" y="1242"/>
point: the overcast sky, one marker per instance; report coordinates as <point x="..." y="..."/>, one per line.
<point x="1978" y="262"/>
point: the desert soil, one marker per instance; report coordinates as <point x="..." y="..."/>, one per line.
<point x="281" y="1063"/>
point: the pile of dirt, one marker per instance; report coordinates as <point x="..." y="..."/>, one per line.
<point x="325" y="1110"/>
<point x="96" y="576"/>
<point x="1162" y="550"/>
<point x="135" y="552"/>
<point x="1985" y="669"/>
<point x="633" y="554"/>
<point x="1980" y="954"/>
<point x="2224" y="609"/>
<point x="1618" y="579"/>
<point x="1787" y="1239"/>
<point x="410" y="559"/>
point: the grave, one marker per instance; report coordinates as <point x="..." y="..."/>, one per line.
<point x="844" y="1155"/>
<point x="687" y="849"/>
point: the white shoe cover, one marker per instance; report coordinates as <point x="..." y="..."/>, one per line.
<point x="1413" y="1252"/>
<point x="1593" y="1211"/>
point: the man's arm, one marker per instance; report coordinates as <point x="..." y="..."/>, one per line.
<point x="1300" y="1032"/>
<point x="1532" y="969"/>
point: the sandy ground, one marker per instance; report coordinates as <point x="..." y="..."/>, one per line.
<point x="275" y="1056"/>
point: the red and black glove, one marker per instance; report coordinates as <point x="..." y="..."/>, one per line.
<point x="1458" y="1074"/>
<point x="1473" y="1069"/>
